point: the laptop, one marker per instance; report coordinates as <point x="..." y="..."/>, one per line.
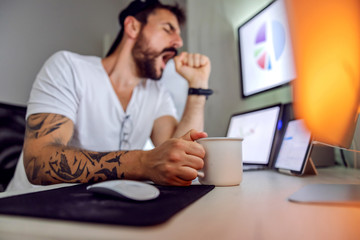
<point x="258" y="128"/>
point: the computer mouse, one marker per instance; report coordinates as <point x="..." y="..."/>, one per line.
<point x="128" y="189"/>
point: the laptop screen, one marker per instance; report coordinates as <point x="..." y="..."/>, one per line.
<point x="258" y="129"/>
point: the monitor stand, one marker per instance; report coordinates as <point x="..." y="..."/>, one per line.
<point x="334" y="194"/>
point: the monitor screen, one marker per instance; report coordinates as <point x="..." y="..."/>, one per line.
<point x="257" y="128"/>
<point x="265" y="51"/>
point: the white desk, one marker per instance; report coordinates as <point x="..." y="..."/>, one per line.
<point x="257" y="209"/>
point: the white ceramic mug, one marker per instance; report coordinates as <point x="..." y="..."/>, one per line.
<point x="222" y="162"/>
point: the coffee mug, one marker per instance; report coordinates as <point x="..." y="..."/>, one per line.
<point x="222" y="162"/>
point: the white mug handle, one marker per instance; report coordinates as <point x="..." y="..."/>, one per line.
<point x="201" y="174"/>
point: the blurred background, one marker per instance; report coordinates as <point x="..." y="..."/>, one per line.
<point x="32" y="30"/>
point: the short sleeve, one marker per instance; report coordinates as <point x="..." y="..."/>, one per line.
<point x="166" y="104"/>
<point x="54" y="89"/>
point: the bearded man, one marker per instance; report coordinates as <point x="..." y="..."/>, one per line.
<point x="88" y="118"/>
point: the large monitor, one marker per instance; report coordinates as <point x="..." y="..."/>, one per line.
<point x="326" y="45"/>
<point x="265" y="52"/>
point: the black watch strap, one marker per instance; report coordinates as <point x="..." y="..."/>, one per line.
<point x="200" y="91"/>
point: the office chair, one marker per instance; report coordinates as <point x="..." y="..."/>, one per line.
<point x="12" y="131"/>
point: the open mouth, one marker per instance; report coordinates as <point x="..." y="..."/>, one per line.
<point x="168" y="54"/>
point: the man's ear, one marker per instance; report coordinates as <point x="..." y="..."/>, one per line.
<point x="132" y="27"/>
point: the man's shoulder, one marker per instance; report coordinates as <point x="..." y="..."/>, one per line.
<point x="64" y="57"/>
<point x="63" y="54"/>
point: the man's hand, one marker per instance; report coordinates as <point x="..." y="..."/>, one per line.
<point x="194" y="67"/>
<point x="176" y="161"/>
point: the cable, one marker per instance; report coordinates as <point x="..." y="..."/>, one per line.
<point x="343" y="157"/>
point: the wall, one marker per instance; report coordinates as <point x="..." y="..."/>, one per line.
<point x="213" y="31"/>
<point x="32" y="30"/>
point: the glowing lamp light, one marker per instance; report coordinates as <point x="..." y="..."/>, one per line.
<point x="326" y="42"/>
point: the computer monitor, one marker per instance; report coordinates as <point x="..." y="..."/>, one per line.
<point x="265" y="52"/>
<point x="326" y="44"/>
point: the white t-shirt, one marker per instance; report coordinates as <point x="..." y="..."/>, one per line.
<point x="79" y="88"/>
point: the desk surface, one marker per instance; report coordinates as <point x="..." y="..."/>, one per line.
<point x="257" y="209"/>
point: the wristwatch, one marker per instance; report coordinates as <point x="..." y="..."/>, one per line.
<point x="200" y="91"/>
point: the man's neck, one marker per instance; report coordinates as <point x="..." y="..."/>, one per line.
<point x="121" y="70"/>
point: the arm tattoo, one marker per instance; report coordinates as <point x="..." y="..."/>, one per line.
<point x="73" y="166"/>
<point x="63" y="171"/>
<point x="95" y="156"/>
<point x="39" y="125"/>
<point x="115" y="160"/>
<point x="35" y="168"/>
<point x="66" y="164"/>
<point x="109" y="175"/>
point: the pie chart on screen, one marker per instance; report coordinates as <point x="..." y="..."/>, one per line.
<point x="269" y="44"/>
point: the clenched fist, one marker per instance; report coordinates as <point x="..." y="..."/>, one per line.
<point x="194" y="67"/>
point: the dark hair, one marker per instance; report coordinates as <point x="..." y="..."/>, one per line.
<point x="141" y="10"/>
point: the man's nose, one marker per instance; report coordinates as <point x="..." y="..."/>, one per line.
<point x="177" y="41"/>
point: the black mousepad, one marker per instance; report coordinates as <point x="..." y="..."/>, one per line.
<point x="75" y="203"/>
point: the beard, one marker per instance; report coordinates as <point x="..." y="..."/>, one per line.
<point x="145" y="58"/>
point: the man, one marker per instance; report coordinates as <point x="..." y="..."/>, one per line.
<point x="88" y="116"/>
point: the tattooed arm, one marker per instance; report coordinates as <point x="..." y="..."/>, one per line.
<point x="48" y="159"/>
